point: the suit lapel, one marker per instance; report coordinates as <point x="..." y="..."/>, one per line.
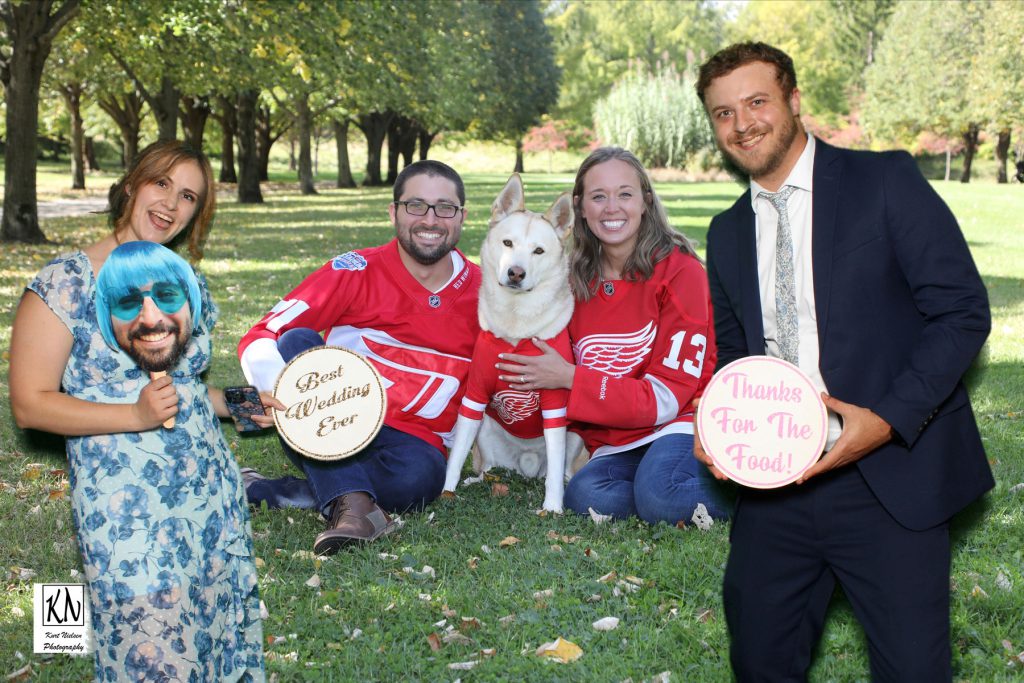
<point x="828" y="168"/>
<point x="749" y="291"/>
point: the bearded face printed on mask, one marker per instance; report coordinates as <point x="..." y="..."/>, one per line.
<point x="147" y="302"/>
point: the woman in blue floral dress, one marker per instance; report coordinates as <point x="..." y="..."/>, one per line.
<point x="161" y="514"/>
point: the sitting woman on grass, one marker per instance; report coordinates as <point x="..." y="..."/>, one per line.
<point x="644" y="346"/>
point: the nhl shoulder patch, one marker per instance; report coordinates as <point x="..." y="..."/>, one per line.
<point x="349" y="261"/>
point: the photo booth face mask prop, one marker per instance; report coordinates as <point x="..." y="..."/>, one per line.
<point x="142" y="292"/>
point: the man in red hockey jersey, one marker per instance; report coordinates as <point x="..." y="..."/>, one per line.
<point x="410" y="307"/>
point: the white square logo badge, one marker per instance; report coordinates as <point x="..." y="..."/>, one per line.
<point x="60" y="619"/>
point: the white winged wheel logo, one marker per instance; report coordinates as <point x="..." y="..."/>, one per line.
<point x="615" y="354"/>
<point x="513" y="406"/>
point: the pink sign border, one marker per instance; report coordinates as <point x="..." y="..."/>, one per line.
<point x="797" y="373"/>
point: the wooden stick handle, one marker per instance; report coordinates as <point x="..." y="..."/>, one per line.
<point x="169" y="422"/>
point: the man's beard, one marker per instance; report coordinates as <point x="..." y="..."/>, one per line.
<point x="161" y="360"/>
<point x="743" y="172"/>
<point x="425" y="257"/>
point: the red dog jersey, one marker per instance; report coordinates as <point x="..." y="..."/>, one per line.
<point x="367" y="301"/>
<point x="644" y="350"/>
<point x="525" y="414"/>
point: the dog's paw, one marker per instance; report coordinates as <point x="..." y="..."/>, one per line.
<point x="551" y="506"/>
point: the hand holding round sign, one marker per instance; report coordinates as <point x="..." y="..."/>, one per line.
<point x="336" y="403"/>
<point x="762" y="422"/>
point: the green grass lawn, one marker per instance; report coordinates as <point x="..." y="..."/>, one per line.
<point x="370" y="619"/>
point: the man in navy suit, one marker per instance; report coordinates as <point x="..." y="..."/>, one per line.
<point x="848" y="264"/>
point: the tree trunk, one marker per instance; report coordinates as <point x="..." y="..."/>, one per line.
<point x="165" y="109"/>
<point x="375" y="127"/>
<point x="426" y="138"/>
<point x="305" y="121"/>
<point x="127" y="114"/>
<point x="228" y="120"/>
<point x="91" y="163"/>
<point x="72" y="94"/>
<point x="30" y="28"/>
<point x="970" y="147"/>
<point x="407" y="143"/>
<point x="341" y="141"/>
<point x="263" y="141"/>
<point x="519" y="156"/>
<point x="949" y="161"/>
<point x="396" y="131"/>
<point x="248" y="159"/>
<point x="193" y="119"/>
<point x="1002" y="152"/>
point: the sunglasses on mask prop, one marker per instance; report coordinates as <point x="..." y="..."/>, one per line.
<point x="169" y="297"/>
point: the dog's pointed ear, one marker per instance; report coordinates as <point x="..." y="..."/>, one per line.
<point x="560" y="215"/>
<point x="510" y="199"/>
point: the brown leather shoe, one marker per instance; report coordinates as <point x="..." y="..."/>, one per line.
<point x="355" y="517"/>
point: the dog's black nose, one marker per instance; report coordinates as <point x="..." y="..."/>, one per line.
<point x="516" y="274"/>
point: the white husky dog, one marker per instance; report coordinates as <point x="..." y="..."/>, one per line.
<point x="524" y="295"/>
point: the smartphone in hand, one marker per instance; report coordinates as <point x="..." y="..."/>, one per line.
<point x="243" y="402"/>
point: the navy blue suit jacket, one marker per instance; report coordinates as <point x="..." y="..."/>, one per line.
<point x="902" y="312"/>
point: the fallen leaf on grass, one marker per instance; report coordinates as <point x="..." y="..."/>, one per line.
<point x="473" y="562"/>
<point x="434" y="641"/>
<point x="463" y="666"/>
<point x="21" y="573"/>
<point x="978" y="592"/>
<point x="663" y="677"/>
<point x="1017" y="488"/>
<point x="387" y="556"/>
<point x="560" y="650"/>
<point x="705" y="615"/>
<point x="264" y="612"/>
<point x="276" y="640"/>
<point x="635" y="580"/>
<point x="499" y="490"/>
<point x="555" y="536"/>
<point x="470" y="624"/>
<point x="506" y="542"/>
<point x="17" y="611"/>
<point x="56" y="494"/>
<point x="1003" y="583"/>
<point x="507" y="619"/>
<point x="23" y="674"/>
<point x="447" y="495"/>
<point x="609" y="577"/>
<point x="546" y="593"/>
<point x="448" y="612"/>
<point x="598" y="517"/>
<point x="701" y="518"/>
<point x="32" y="470"/>
<point x="456" y="638"/>
<point x="556" y="548"/>
<point x="472" y="480"/>
<point x="314" y="581"/>
<point x="606" y="624"/>
<point x="594" y="598"/>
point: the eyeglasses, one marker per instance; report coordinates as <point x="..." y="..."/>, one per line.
<point x="441" y="209"/>
<point x="169" y="297"/>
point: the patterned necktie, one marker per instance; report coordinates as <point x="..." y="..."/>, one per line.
<point x="785" y="281"/>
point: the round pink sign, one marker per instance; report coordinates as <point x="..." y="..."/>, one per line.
<point x="762" y="422"/>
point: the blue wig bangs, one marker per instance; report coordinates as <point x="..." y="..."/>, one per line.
<point x="134" y="265"/>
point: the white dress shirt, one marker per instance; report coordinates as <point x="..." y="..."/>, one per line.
<point x="799" y="209"/>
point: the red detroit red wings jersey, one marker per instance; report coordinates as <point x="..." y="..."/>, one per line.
<point x="420" y="341"/>
<point x="521" y="413"/>
<point x="644" y="350"/>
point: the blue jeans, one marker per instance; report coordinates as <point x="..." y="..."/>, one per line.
<point x="400" y="471"/>
<point x="658" y="482"/>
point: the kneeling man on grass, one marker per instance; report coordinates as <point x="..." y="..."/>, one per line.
<point x="408" y="306"/>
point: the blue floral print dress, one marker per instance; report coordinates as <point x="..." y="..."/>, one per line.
<point x="161" y="515"/>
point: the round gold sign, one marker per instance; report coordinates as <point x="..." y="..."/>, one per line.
<point x="336" y="403"/>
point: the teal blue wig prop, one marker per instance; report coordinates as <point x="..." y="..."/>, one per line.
<point x="132" y="266"/>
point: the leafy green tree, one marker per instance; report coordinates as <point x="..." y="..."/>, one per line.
<point x="596" y="42"/>
<point x="525" y="77"/>
<point x="996" y="89"/>
<point x="919" y="79"/>
<point x="29" y="29"/>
